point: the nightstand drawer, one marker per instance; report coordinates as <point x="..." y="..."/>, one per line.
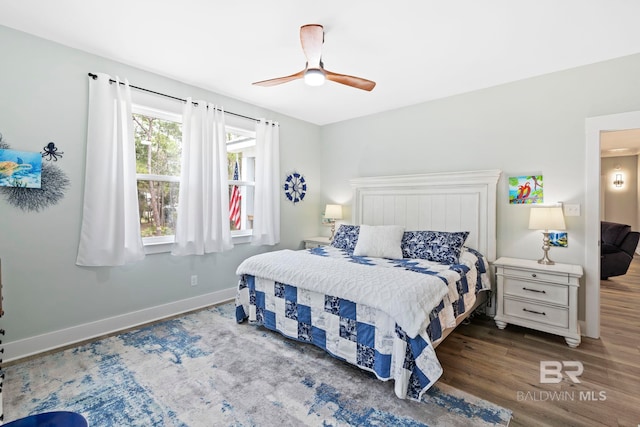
<point x="536" y="291"/>
<point x="315" y="242"/>
<point x="536" y="275"/>
<point x="311" y="245"/>
<point x="540" y="313"/>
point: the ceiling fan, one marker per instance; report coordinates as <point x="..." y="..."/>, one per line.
<point x="314" y="74"/>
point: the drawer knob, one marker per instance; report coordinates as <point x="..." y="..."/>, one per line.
<point x="534" y="275"/>
<point x="534" y="290"/>
<point x="535" y="312"/>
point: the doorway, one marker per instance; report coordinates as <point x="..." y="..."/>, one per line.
<point x="594" y="127"/>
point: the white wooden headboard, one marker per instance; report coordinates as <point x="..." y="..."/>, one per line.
<point x="457" y="201"/>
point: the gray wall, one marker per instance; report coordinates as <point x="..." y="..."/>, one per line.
<point x="43" y="97"/>
<point x="531" y="126"/>
<point x="620" y="203"/>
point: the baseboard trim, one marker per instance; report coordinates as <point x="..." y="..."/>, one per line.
<point x="64" y="337"/>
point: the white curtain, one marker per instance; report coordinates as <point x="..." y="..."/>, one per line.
<point x="110" y="233"/>
<point x="266" y="223"/>
<point x="203" y="205"/>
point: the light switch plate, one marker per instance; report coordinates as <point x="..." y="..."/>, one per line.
<point x="571" y="210"/>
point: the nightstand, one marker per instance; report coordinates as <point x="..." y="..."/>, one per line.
<point x="538" y="296"/>
<point x="314" y="242"/>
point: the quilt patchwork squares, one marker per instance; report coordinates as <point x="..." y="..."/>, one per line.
<point x="358" y="334"/>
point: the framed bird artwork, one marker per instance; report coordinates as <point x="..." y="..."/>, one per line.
<point x="526" y="190"/>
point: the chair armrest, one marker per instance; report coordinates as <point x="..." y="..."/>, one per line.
<point x="609" y="249"/>
<point x="630" y="243"/>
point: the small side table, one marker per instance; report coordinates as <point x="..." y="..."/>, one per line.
<point x="539" y="296"/>
<point x="314" y="242"/>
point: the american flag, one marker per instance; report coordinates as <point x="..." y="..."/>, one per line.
<point x="234" y="200"/>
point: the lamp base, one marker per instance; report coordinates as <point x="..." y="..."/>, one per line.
<point x="333" y="230"/>
<point x="545" y="260"/>
<point x="545" y="247"/>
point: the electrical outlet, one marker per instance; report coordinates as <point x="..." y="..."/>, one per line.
<point x="194" y="280"/>
<point x="571" y="210"/>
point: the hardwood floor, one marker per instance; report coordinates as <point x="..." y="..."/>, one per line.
<point x="503" y="366"/>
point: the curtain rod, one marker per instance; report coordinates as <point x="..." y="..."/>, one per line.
<point x="95" y="77"/>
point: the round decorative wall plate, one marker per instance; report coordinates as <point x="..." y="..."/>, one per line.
<point x="295" y="187"/>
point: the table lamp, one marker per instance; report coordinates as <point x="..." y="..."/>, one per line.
<point x="331" y="214"/>
<point x="546" y="218"/>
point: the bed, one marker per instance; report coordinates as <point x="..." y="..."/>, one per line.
<point x="411" y="266"/>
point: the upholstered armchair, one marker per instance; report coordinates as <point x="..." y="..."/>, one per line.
<point x="618" y="244"/>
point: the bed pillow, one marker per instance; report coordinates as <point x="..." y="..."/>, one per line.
<point x="379" y="241"/>
<point x="438" y="246"/>
<point x="346" y="237"/>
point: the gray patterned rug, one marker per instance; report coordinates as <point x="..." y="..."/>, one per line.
<point x="204" y="369"/>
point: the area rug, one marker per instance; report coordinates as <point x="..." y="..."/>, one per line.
<point x="204" y="369"/>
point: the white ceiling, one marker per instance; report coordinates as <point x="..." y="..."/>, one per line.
<point x="415" y="50"/>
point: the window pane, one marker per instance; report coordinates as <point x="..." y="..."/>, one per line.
<point x="241" y="148"/>
<point x="241" y="207"/>
<point x="240" y="154"/>
<point x="158" y="204"/>
<point x="234" y="162"/>
<point x="158" y="145"/>
<point x="158" y="149"/>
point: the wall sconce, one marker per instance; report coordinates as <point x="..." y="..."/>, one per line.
<point x="331" y="214"/>
<point x="618" y="181"/>
<point x="548" y="218"/>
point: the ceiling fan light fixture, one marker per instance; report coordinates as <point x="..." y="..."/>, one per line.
<point x="314" y="77"/>
<point x="314" y="73"/>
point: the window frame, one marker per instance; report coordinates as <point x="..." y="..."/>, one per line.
<point x="246" y="234"/>
<point x="161" y="110"/>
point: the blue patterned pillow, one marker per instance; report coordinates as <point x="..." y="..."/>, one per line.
<point x="346" y="237"/>
<point x="438" y="246"/>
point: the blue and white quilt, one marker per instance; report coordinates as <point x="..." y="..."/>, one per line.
<point x="379" y="314"/>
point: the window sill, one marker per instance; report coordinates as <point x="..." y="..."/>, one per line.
<point x="164" y="246"/>
<point x="157" y="248"/>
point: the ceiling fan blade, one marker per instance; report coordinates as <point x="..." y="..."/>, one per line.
<point x="280" y="80"/>
<point x="311" y="38"/>
<point x="357" y="82"/>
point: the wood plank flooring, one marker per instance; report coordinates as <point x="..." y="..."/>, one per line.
<point x="503" y="366"/>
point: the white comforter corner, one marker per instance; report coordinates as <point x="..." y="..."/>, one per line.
<point x="408" y="297"/>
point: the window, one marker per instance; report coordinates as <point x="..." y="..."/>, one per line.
<point x="158" y="139"/>
<point x="241" y="160"/>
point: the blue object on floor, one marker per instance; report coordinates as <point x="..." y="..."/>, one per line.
<point x="50" y="419"/>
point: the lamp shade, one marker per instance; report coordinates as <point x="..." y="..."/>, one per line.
<point x="546" y="218"/>
<point x="333" y="212"/>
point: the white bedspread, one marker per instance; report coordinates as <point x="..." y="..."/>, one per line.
<point x="408" y="297"/>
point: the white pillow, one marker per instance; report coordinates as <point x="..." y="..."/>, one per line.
<point x="380" y="241"/>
